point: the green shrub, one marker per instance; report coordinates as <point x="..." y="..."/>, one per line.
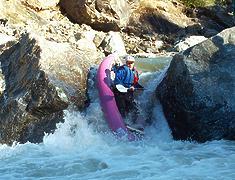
<point x="203" y="3"/>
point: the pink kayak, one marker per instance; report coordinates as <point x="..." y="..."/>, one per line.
<point x="107" y="100"/>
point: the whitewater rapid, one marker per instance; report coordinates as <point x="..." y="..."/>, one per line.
<point x="84" y="148"/>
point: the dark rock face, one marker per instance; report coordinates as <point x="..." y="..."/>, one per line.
<point x="29" y="105"/>
<point x="198" y="92"/>
<point x="215" y="17"/>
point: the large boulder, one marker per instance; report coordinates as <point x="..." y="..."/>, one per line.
<point x="198" y="91"/>
<point x="161" y="17"/>
<point x="113" y="42"/>
<point x="41" y="79"/>
<point x="30" y="103"/>
<point x="105" y="15"/>
<point x="156" y="25"/>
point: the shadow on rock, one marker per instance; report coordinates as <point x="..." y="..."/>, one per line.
<point x="29" y="105"/>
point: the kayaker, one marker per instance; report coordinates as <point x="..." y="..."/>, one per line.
<point x="127" y="76"/>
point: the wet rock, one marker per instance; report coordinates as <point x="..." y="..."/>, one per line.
<point x="198" y="91"/>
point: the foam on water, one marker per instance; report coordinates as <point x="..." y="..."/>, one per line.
<point x="84" y="148"/>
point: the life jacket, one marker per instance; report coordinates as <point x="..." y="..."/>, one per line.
<point x="136" y="76"/>
<point x="115" y="67"/>
<point x="130" y="78"/>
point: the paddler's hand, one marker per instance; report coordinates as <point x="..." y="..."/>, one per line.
<point x="131" y="88"/>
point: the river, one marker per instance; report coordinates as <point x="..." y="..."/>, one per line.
<point x="83" y="147"/>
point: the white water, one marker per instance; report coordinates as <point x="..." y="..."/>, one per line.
<point x="84" y="148"/>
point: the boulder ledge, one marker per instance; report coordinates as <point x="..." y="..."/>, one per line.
<point x="198" y="91"/>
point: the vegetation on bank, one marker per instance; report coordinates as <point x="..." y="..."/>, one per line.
<point x="189" y="3"/>
<point x="203" y="3"/>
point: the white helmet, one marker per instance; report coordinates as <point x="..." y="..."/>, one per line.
<point x="129" y="58"/>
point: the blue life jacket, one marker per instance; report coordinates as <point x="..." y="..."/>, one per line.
<point x="124" y="76"/>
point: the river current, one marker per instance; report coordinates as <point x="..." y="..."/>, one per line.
<point x="84" y="148"/>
